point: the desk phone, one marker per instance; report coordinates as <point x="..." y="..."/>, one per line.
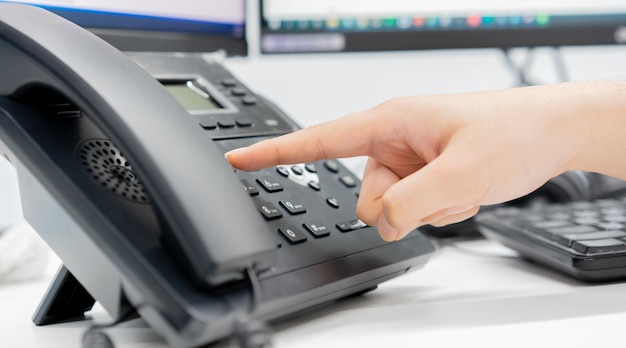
<point x="121" y="170"/>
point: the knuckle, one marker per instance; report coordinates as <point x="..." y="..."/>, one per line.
<point x="392" y="206"/>
<point x="367" y="212"/>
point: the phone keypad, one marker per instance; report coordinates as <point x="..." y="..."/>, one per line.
<point x="274" y="206"/>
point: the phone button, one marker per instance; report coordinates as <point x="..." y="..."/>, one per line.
<point x="351" y="225"/>
<point x="333" y="202"/>
<point x="269" y="211"/>
<point x="348" y="181"/>
<point x="208" y="124"/>
<point x="226" y="123"/>
<point x="247" y="100"/>
<point x="293" y="208"/>
<point x="270" y="186"/>
<point x="248" y="187"/>
<point x="332" y="166"/>
<point x="317" y="229"/>
<point x="293" y="234"/>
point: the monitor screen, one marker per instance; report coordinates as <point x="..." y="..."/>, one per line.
<point x="373" y="25"/>
<point x="159" y="25"/>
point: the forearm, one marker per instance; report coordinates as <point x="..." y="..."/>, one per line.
<point x="599" y="123"/>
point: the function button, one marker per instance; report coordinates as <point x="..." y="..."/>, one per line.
<point x="282" y="171"/>
<point x="310" y="167"/>
<point x="351" y="225"/>
<point x="333" y="202"/>
<point x="316" y="228"/>
<point x="208" y="124"/>
<point x="248" y="187"/>
<point x="293" y="208"/>
<point x="293" y="234"/>
<point x="248" y="100"/>
<point x="269" y="211"/>
<point x="244" y="122"/>
<point x="332" y="165"/>
<point x="226" y="123"/>
<point x="297" y="170"/>
<point x="240" y="92"/>
<point x="270" y="186"/>
<point x="228" y="82"/>
<point x="348" y="181"/>
<point x="314" y="185"/>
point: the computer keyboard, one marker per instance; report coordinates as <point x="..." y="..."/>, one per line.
<point x="585" y="239"/>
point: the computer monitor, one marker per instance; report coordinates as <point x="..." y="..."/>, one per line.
<point x="159" y="25"/>
<point x="375" y="25"/>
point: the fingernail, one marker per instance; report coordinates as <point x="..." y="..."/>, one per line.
<point x="231" y="152"/>
<point x="387" y="232"/>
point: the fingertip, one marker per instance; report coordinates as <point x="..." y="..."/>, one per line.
<point x="232" y="157"/>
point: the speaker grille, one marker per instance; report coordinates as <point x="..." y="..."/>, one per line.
<point x="105" y="164"/>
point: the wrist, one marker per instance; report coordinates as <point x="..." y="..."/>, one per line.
<point x="597" y="125"/>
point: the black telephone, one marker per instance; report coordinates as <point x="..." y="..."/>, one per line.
<point x="121" y="170"/>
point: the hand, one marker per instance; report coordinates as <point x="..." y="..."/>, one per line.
<point x="436" y="159"/>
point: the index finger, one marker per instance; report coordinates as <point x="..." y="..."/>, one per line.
<point x="344" y="137"/>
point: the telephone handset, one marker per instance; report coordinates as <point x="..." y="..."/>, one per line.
<point x="43" y="55"/>
<point x="119" y="159"/>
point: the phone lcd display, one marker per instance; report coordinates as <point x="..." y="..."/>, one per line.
<point x="191" y="97"/>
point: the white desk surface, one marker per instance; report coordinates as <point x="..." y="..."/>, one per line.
<point x="458" y="299"/>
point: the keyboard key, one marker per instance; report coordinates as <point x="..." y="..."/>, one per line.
<point x="611" y="226"/>
<point x="569" y="239"/>
<point x="572" y="229"/>
<point x="597" y="246"/>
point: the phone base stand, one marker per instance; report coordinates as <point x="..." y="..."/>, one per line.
<point x="65" y="300"/>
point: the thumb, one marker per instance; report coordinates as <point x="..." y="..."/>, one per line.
<point x="441" y="188"/>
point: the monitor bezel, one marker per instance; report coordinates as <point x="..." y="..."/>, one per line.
<point x="136" y="39"/>
<point x="502" y="38"/>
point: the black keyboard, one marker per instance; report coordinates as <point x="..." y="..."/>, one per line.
<point x="585" y="239"/>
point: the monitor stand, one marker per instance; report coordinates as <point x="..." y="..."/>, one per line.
<point x="521" y="71"/>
